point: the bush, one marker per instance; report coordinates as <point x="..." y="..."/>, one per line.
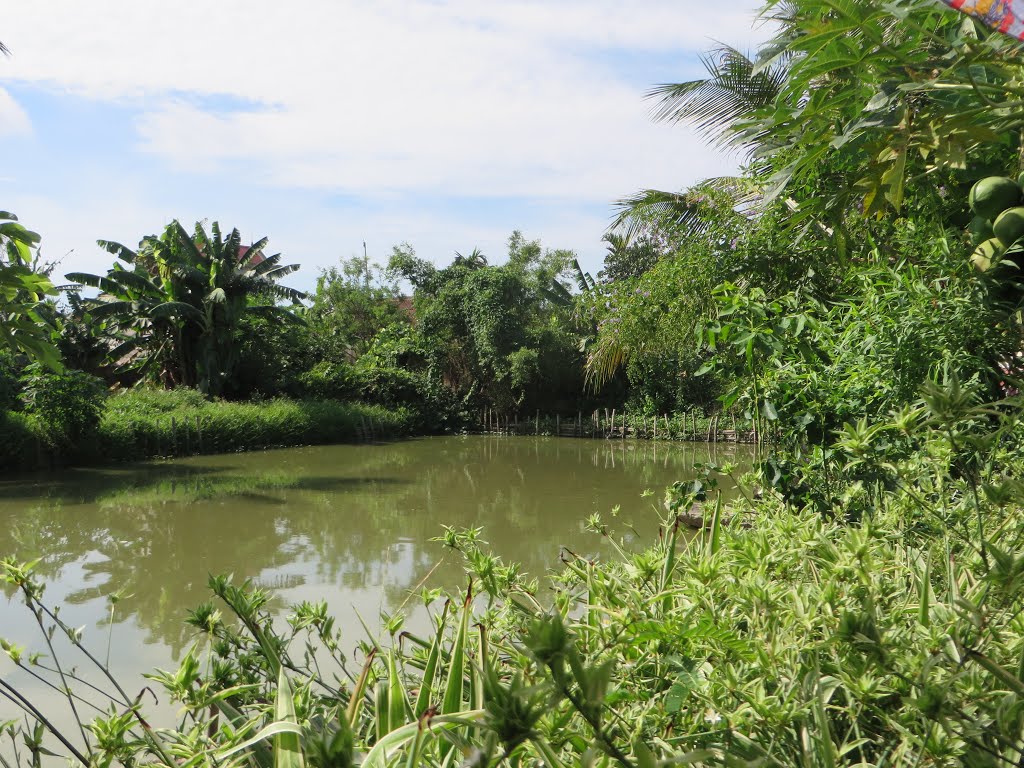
<point x="66" y="405"/>
<point x="142" y="424"/>
<point x="431" y="407"/>
<point x="327" y="380"/>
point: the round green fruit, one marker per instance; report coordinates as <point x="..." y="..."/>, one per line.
<point x="1009" y="226"/>
<point x="994" y="194"/>
<point x="987" y="254"/>
<point x="980" y="229"/>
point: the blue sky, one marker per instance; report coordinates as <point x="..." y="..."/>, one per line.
<point x="323" y="123"/>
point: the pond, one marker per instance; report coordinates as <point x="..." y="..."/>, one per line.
<point x="351" y="524"/>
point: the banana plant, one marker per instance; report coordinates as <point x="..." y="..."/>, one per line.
<point x="23" y="291"/>
<point x="180" y="304"/>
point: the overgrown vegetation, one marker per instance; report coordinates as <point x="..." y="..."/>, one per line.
<point x="860" y="606"/>
<point x="876" y="625"/>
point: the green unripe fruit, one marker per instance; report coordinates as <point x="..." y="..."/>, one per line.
<point x="980" y="229"/>
<point x="993" y="195"/>
<point x="1009" y="226"/>
<point x="1020" y="180"/>
<point x="987" y="254"/>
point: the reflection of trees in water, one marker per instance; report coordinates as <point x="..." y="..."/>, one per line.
<point x="360" y="517"/>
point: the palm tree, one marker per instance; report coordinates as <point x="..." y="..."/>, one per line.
<point x="726" y="106"/>
<point x="475" y="260"/>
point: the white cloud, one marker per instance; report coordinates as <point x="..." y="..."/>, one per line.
<point x="400" y="105"/>
<point x="14" y="121"/>
<point x="444" y="97"/>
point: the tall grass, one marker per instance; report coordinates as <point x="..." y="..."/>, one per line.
<point x="142" y="424"/>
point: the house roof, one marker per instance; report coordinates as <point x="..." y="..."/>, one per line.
<point x="256" y="258"/>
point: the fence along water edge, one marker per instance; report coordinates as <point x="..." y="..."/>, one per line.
<point x="610" y="425"/>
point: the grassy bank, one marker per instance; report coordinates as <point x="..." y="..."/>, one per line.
<point x="155" y="423"/>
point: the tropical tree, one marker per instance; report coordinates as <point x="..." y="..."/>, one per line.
<point x="497" y="336"/>
<point x="351" y="306"/>
<point x="727" y="107"/>
<point x="181" y="302"/>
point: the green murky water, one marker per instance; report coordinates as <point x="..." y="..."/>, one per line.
<point x="349" y="524"/>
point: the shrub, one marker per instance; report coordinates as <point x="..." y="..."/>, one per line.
<point x="327" y="380"/>
<point x="67" y="406"/>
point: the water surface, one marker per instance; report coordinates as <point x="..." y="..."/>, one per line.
<point x="352" y="525"/>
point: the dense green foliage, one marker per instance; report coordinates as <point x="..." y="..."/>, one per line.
<point x="881" y="629"/>
<point x="23" y="327"/>
<point x="179" y="306"/>
<point x="860" y="606"/>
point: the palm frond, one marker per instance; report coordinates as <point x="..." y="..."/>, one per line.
<point x="278" y="271"/>
<point x="690" y="211"/>
<point x="604" y="360"/>
<point x="557" y="294"/>
<point x="101" y="310"/>
<point x="268" y="264"/>
<point x="283" y="292"/>
<point x="721" y="105"/>
<point x="110" y="284"/>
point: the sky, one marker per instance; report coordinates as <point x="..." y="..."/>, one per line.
<point x="324" y="124"/>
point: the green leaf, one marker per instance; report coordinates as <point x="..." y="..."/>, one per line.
<point x="398" y="738"/>
<point x="287" y="744"/>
